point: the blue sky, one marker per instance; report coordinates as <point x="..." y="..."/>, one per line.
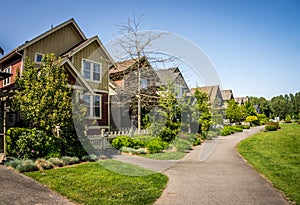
<point x="254" y="44"/>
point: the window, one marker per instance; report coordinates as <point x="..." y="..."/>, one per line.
<point x="91" y="70"/>
<point x="144" y="83"/>
<point x="93" y="105"/>
<point x="38" y="57"/>
<point x="96" y="106"/>
<point x="7" y="80"/>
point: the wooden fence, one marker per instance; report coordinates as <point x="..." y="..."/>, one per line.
<point x="103" y="141"/>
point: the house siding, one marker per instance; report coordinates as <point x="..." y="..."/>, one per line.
<point x="58" y="42"/>
<point x="94" y="53"/>
<point x="15" y="64"/>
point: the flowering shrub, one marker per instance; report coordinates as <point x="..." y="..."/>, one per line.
<point x="25" y="143"/>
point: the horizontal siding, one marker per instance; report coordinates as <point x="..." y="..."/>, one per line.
<point x="94" y="53"/>
<point x="15" y="67"/>
<point x="58" y="42"/>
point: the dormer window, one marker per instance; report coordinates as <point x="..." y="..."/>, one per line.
<point x="7" y="80"/>
<point x="38" y="57"/>
<point x="91" y="70"/>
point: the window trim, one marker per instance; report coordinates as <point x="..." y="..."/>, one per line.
<point x="35" y="58"/>
<point x="91" y="70"/>
<point x="91" y="106"/>
<point x="7" y="81"/>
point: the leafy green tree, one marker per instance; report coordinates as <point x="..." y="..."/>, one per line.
<point x="234" y="112"/>
<point x="170" y="112"/>
<point x="249" y="109"/>
<point x="279" y="107"/>
<point x="202" y="112"/>
<point x="43" y="97"/>
<point x="262" y="104"/>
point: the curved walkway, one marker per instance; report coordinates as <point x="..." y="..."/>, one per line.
<point x="221" y="177"/>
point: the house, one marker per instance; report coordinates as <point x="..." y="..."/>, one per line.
<point x="227" y="95"/>
<point x="3" y="76"/>
<point x="173" y="76"/>
<point x="241" y="100"/>
<point x="86" y="62"/>
<point x="131" y="79"/>
<point x="214" y="94"/>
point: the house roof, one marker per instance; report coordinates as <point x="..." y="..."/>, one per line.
<point x="52" y="30"/>
<point x="124" y="65"/>
<point x="168" y="75"/>
<point x="227" y="95"/>
<point x="84" y="44"/>
<point x="211" y="91"/>
<point x="241" y="100"/>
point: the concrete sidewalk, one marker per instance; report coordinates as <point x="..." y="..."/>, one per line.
<point x="218" y="175"/>
<point x="17" y="189"/>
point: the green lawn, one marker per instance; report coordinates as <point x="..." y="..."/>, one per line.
<point x="92" y="183"/>
<point x="277" y="156"/>
<point x="166" y="155"/>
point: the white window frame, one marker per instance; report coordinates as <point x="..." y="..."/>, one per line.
<point x="91" y="106"/>
<point x="7" y="81"/>
<point x="91" y="70"/>
<point x="36" y="57"/>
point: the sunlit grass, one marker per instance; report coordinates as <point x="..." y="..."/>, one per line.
<point x="105" y="182"/>
<point x="277" y="156"/>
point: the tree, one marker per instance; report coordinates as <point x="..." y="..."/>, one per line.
<point x="43" y="97"/>
<point x="234" y="112"/>
<point x="170" y="113"/>
<point x="132" y="45"/>
<point x="44" y="100"/>
<point x="279" y="107"/>
<point x="201" y="111"/>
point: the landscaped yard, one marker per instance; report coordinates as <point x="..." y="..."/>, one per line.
<point x="92" y="183"/>
<point x="277" y="156"/>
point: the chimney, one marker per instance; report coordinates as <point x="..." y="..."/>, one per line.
<point x="1" y="51"/>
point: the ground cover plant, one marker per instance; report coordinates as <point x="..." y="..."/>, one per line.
<point x="276" y="155"/>
<point x="92" y="183"/>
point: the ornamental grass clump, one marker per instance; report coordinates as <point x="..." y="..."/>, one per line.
<point x="89" y="158"/>
<point x="43" y="164"/>
<point x="56" y="161"/>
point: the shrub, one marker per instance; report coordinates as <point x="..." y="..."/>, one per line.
<point x="43" y="164"/>
<point x="25" y="143"/>
<point x="125" y="141"/>
<point x="13" y="163"/>
<point x="67" y="160"/>
<point x="181" y="144"/>
<point x="228" y="130"/>
<point x="262" y="118"/>
<point x="122" y="141"/>
<point x="253" y="120"/>
<point x="89" y="158"/>
<point x="56" y="161"/>
<point x="288" y="119"/>
<point x="272" y="126"/>
<point x="27" y="166"/>
<point x="134" y="151"/>
<point x="156" y="145"/>
<point x="243" y="126"/>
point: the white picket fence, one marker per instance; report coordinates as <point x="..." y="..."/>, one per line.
<point x="102" y="141"/>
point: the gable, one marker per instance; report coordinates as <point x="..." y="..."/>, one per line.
<point x="56" y="42"/>
<point x="93" y="52"/>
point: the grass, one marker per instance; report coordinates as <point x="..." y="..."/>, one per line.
<point x="277" y="156"/>
<point x="166" y="155"/>
<point x="104" y="182"/>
